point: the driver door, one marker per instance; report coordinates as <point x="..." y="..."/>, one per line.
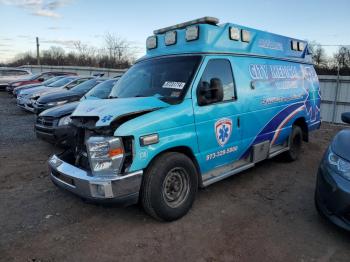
<point x="217" y="123"/>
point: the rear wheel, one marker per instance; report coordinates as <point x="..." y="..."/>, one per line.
<point x="169" y="186"/>
<point x="295" y="143"/>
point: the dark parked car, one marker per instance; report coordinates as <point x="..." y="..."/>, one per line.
<point x="64" y="96"/>
<point x="332" y="196"/>
<point x="52" y="125"/>
<point x="35" y="79"/>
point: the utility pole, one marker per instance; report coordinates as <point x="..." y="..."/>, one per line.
<point x="336" y="94"/>
<point x="37" y="51"/>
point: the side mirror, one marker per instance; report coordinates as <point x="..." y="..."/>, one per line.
<point x="208" y="93"/>
<point x="345" y="117"/>
<point x="41" y="79"/>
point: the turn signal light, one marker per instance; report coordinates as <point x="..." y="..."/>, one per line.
<point x="115" y="152"/>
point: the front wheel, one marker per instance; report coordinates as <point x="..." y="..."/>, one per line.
<point x="295" y="143"/>
<point x="169" y="186"/>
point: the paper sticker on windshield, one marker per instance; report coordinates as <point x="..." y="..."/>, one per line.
<point x="174" y="85"/>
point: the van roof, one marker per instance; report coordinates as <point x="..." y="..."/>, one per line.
<point x="227" y="38"/>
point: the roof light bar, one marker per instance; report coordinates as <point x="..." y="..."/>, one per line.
<point x="170" y="38"/>
<point x="301" y="46"/>
<point x="294" y="45"/>
<point x="235" y="33"/>
<point x="204" y="20"/>
<point x="192" y="33"/>
<point x="151" y="42"/>
<point x="245" y="36"/>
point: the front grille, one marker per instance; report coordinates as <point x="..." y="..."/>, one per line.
<point x="45" y="121"/>
<point x="46" y="130"/>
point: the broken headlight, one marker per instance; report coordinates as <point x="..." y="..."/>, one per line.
<point x="106" y="155"/>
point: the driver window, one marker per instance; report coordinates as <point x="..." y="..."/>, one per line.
<point x="219" y="71"/>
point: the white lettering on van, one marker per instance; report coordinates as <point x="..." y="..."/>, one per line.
<point x="259" y="72"/>
<point x="284" y="72"/>
<point x="266" y="72"/>
<point x="221" y="153"/>
<point x="269" y="44"/>
<point x="272" y="100"/>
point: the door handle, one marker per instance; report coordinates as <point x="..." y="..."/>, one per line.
<point x="238" y="122"/>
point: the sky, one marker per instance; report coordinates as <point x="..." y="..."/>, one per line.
<point x="62" y="22"/>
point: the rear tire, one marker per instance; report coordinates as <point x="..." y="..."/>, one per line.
<point x="169" y="186"/>
<point x="295" y="144"/>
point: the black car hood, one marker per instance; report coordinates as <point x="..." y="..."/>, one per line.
<point x="60" y="96"/>
<point x="59" y="111"/>
<point x="341" y="144"/>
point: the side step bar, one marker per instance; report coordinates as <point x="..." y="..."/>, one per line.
<point x="232" y="169"/>
<point x="227" y="174"/>
<point x="277" y="152"/>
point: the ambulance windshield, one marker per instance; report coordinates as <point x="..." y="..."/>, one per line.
<point x="166" y="78"/>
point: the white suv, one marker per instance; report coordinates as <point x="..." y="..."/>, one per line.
<point x="8" y="75"/>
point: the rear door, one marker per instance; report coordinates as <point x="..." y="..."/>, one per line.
<point x="217" y="124"/>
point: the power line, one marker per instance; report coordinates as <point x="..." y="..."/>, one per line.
<point x="332" y="45"/>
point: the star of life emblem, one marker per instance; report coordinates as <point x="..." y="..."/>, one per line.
<point x="223" y="130"/>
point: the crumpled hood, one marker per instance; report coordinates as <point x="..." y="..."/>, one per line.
<point x="109" y="110"/>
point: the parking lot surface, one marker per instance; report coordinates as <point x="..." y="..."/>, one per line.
<point x="264" y="214"/>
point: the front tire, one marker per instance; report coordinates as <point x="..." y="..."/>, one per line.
<point x="169" y="186"/>
<point x="295" y="143"/>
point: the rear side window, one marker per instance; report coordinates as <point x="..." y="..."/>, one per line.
<point x="14" y="72"/>
<point x="220" y="69"/>
<point x="23" y="73"/>
<point x="18" y="72"/>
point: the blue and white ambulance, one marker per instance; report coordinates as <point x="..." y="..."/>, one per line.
<point x="207" y="101"/>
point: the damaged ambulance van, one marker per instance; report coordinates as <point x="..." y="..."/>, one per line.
<point x="207" y="101"/>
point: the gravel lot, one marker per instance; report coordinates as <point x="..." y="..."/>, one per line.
<point x="264" y="214"/>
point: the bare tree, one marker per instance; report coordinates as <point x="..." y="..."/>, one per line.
<point x="57" y="54"/>
<point x="342" y="57"/>
<point x="116" y="47"/>
<point x="116" y="53"/>
<point x="318" y="54"/>
<point x="80" y="47"/>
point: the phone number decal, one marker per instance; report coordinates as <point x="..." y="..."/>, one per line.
<point x="221" y="153"/>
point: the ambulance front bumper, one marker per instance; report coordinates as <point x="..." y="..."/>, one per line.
<point x="122" y="189"/>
